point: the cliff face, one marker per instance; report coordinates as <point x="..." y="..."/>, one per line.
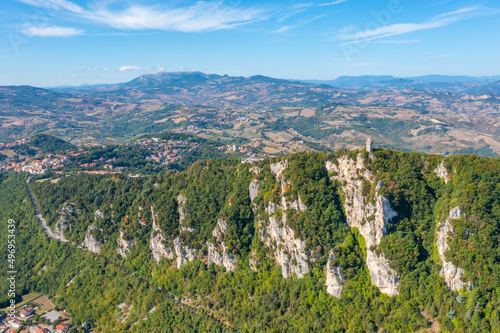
<point x="451" y="274"/>
<point x="90" y="243"/>
<point x="371" y="219"/>
<point x="67" y="212"/>
<point x="289" y="251"/>
<point x="124" y="246"/>
<point x="334" y="280"/>
<point x="441" y="172"/>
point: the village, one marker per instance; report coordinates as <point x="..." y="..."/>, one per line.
<point x="37" y="316"/>
<point x="162" y="152"/>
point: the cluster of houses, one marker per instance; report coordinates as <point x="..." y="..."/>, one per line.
<point x="243" y="149"/>
<point x="11" y="325"/>
<point x="14" y="143"/>
<point x="166" y="151"/>
<point x="35" y="165"/>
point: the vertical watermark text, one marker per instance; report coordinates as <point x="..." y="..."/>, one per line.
<point x="11" y="267"/>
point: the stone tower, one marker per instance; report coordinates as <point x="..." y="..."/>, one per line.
<point x="369" y="145"/>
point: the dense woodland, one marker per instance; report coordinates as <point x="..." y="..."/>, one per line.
<point x="91" y="286"/>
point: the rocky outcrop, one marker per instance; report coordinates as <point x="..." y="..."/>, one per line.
<point x="67" y="212"/>
<point x="98" y="215"/>
<point x="90" y="243"/>
<point x="181" y="199"/>
<point x="298" y="205"/>
<point x="225" y="259"/>
<point x="441" y="172"/>
<point x="289" y="252"/>
<point x="184" y="253"/>
<point x="160" y="250"/>
<point x="451" y="274"/>
<point x="157" y="242"/>
<point x="277" y="168"/>
<point x="255" y="169"/>
<point x="371" y="219"/>
<point x="253" y="189"/>
<point x="124" y="245"/>
<point x="334" y="280"/>
<point x="218" y="253"/>
<point x="220" y="228"/>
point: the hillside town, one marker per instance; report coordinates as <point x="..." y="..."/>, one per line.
<point x="162" y="152"/>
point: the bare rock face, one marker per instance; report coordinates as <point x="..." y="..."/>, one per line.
<point x="255" y="170"/>
<point x="181" y="199"/>
<point x="452" y="275"/>
<point x="124" y="245"/>
<point x="220" y="229"/>
<point x="277" y="168"/>
<point x="289" y="252"/>
<point x="98" y="214"/>
<point x="90" y="243"/>
<point x="298" y="205"/>
<point x="67" y="212"/>
<point x="441" y="172"/>
<point x="370" y="220"/>
<point x="253" y="189"/>
<point x="334" y="280"/>
<point x="184" y="253"/>
<point x="218" y="253"/>
<point x="157" y="242"/>
<point x="227" y="259"/>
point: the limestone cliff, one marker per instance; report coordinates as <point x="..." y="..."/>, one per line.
<point x="90" y="243"/>
<point x="67" y="212"/>
<point x="289" y="251"/>
<point x="124" y="245"/>
<point x="371" y="219"/>
<point x="157" y="242"/>
<point x="441" y="172"/>
<point x="451" y="274"/>
<point x="334" y="280"/>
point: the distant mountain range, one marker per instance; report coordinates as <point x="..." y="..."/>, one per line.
<point x="434" y="114"/>
<point x="439" y="83"/>
<point x="196" y="88"/>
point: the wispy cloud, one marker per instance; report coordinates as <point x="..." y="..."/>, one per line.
<point x="287" y="28"/>
<point x="402" y="41"/>
<point x="201" y="16"/>
<point x="129" y="68"/>
<point x="404" y="28"/>
<point x="332" y="3"/>
<point x="52" y="31"/>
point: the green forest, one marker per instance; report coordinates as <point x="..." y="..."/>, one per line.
<point x="255" y="297"/>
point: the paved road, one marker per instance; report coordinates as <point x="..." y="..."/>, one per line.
<point x="40" y="217"/>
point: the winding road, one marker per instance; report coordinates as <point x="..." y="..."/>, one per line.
<point x="39" y="215"/>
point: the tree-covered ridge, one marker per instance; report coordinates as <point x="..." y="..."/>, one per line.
<point x="263" y="300"/>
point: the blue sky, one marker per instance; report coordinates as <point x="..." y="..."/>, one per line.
<point x="72" y="42"/>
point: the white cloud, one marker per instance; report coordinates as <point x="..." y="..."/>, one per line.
<point x="106" y="69"/>
<point x="284" y="28"/>
<point x="53" y="31"/>
<point x="332" y="3"/>
<point x="201" y="16"/>
<point x="180" y="68"/>
<point x="404" y="28"/>
<point x="160" y="69"/>
<point x="129" y="68"/>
